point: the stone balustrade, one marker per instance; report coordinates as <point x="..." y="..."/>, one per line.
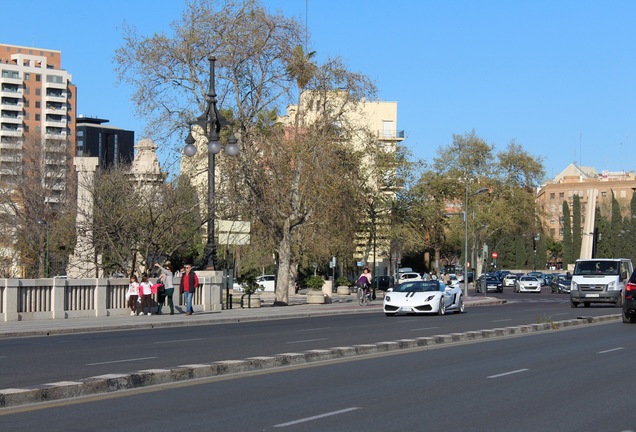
<point x="55" y="298"/>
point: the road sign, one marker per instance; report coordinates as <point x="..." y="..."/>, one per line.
<point x="494" y="255"/>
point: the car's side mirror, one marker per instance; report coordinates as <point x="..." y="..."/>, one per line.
<point x="389" y="290"/>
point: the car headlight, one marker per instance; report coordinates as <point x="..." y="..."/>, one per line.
<point x="612" y="286"/>
<point x="574" y="286"/>
<point x="387" y="298"/>
<point x="429" y="298"/>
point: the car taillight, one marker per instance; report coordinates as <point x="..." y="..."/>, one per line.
<point x="630" y="286"/>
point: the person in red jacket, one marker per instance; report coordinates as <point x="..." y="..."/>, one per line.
<point x="188" y="285"/>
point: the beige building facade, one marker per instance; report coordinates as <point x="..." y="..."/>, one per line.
<point x="592" y="188"/>
<point x="379" y="121"/>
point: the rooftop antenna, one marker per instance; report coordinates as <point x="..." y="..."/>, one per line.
<point x="580" y="147"/>
<point x="306" y="24"/>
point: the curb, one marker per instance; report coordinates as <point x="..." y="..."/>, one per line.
<point x="116" y="382"/>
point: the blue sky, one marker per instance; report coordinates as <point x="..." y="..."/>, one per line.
<point x="556" y="76"/>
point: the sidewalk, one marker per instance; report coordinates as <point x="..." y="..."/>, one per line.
<point x="297" y="308"/>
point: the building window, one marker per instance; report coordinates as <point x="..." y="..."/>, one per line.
<point x="37" y="104"/>
<point x="561" y="195"/>
<point x="552" y="195"/>
<point x="37" y="117"/>
<point x="38" y="77"/>
<point x="604" y="194"/>
<point x="38" y="92"/>
<point x="27" y="76"/>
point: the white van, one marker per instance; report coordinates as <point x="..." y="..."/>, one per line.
<point x="600" y="280"/>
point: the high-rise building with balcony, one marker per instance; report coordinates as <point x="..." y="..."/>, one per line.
<point x="37" y="121"/>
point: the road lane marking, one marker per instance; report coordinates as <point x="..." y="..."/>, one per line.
<point x="316" y="417"/>
<point x="610" y="350"/>
<point x="178" y="340"/>
<point x="508" y="373"/>
<point x="120" y="361"/>
<point x="314" y="329"/>
<point x="306" y="340"/>
<point x="502" y="320"/>
<point x="424" y="328"/>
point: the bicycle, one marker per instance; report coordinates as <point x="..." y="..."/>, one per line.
<point x="365" y="295"/>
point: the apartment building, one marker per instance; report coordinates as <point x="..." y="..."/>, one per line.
<point x="587" y="183"/>
<point x="379" y="120"/>
<point x="37" y="105"/>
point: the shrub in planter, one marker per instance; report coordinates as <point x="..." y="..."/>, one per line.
<point x="342" y="281"/>
<point x="314" y="283"/>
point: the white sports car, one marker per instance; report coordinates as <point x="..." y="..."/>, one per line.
<point x="423" y="297"/>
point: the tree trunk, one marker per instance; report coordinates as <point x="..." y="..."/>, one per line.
<point x="284" y="261"/>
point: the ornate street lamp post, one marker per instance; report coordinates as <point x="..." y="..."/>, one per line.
<point x="211" y="121"/>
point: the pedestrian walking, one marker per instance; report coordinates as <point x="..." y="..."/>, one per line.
<point x="188" y="286"/>
<point x="132" y="295"/>
<point x="168" y="282"/>
<point x="145" y="290"/>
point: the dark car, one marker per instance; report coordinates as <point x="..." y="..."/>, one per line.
<point x="629" y="301"/>
<point x="561" y="284"/>
<point x="383" y="283"/>
<point x="493" y="284"/>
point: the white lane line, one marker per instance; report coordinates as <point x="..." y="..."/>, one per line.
<point x="564" y="313"/>
<point x="424" y="328"/>
<point x="508" y="373"/>
<point x="610" y="350"/>
<point x="120" y="361"/>
<point x="306" y="340"/>
<point x="316" y="417"/>
<point x="502" y="320"/>
<point x="178" y="340"/>
<point x="314" y="329"/>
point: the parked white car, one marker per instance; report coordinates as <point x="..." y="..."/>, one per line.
<point x="509" y="280"/>
<point x="409" y="276"/>
<point x="268" y="282"/>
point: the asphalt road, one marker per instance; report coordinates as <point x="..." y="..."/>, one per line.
<point x="77" y="356"/>
<point x="572" y="380"/>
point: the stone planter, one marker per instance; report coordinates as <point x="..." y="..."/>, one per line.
<point x="253" y="301"/>
<point x="315" y="297"/>
<point x="343" y="290"/>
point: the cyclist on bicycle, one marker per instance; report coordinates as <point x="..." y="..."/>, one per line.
<point x="364" y="281"/>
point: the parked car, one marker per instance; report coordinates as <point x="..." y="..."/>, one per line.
<point x="493" y="284"/>
<point x="268" y="282"/>
<point x="423" y="297"/>
<point x="409" y="276"/>
<point x="527" y="284"/>
<point x="629" y="301"/>
<point x="536" y="274"/>
<point x="561" y="284"/>
<point x="509" y="280"/>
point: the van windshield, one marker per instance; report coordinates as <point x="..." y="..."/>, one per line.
<point x="596" y="267"/>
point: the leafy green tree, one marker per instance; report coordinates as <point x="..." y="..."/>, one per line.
<point x="568" y="252"/>
<point x="576" y="226"/>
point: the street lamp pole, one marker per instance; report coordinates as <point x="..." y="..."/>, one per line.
<point x="211" y="121"/>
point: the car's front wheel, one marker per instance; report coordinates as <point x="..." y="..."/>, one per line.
<point x="574" y="304"/>
<point x="628" y="317"/>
